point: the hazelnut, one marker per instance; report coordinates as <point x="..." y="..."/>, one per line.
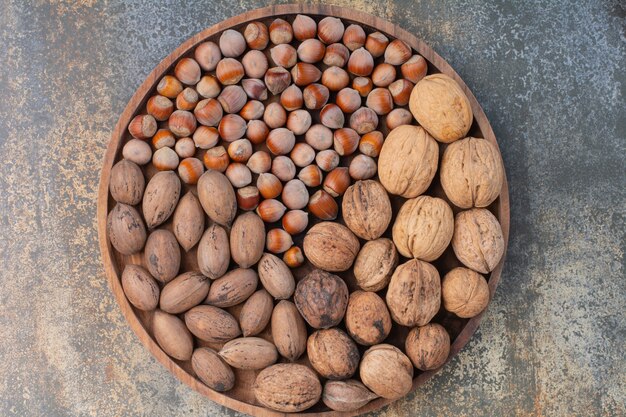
<point x="137" y="151"/>
<point x="216" y="159"/>
<point x="284" y="55"/>
<point x="208" y="112"/>
<point x="366" y="209"/>
<point x="248" y="197"/>
<point x="207" y="54"/>
<point x="319" y="137"/>
<point x="257" y="131"/>
<point x="375" y="264"/>
<point x="165" y="159"/>
<point x="335" y="78"/>
<point x="414" y="293"/>
<point x="256" y="35"/>
<point x="232" y="98"/>
<point x="255" y="64"/>
<point x="323" y="206"/>
<point x="321" y="298"/>
<point x="367" y="319"/>
<point x="185" y="147"/>
<point x="371" y="143"/>
<point x="327" y="159"/>
<point x="232" y="127"/>
<point x="380" y="100"/>
<point x="295" y="195"/>
<point x="291" y="98"/>
<point x="331" y="116"/>
<point x="208" y="87"/>
<point x="274" y="116"/>
<point x="414" y="69"/>
<point x="269" y="185"/>
<point x="232" y="43"/>
<point x="397" y="52"/>
<point x="159" y="107"/>
<point x="364" y="120"/>
<point x="187" y="99"/>
<point x="361" y="63"/>
<point x="354" y="37"/>
<point x="311" y="176"/>
<point x="271" y="210"/>
<point x="330" y="30"/>
<point x="182" y="123"/>
<point x="311" y="51"/>
<point x="348" y="100"/>
<point x="464" y="292"/>
<point x="252" y="110"/>
<point x="278" y="241"/>
<point x="336" y="55"/>
<point x="283" y="168"/>
<point x="169" y="86"/>
<point x="441" y="107"/>
<point x="362" y="167"/>
<point x="163" y="138"/>
<point x="315" y="96"/>
<point x="260" y="162"/>
<point x="471" y="173"/>
<point x="277" y="79"/>
<point x="386" y="371"/>
<point x="345" y="141"/>
<point x="190" y="169"/>
<point x="205" y="137"/>
<point x="295" y="221"/>
<point x="408" y="161"/>
<point x="477" y="241"/>
<point x="428" y="346"/>
<point x="304" y="74"/>
<point x="337" y="181"/>
<point x="302" y="154"/>
<point x="280" y="32"/>
<point x="187" y="71"/>
<point x="299" y="121"/>
<point x="383" y="75"/>
<point x="144" y="126"/>
<point x="333" y="354"/>
<point x="362" y="85"/>
<point x="401" y="91"/>
<point x="280" y="141"/>
<point x="331" y="246"/>
<point x="304" y="28"/>
<point x="294" y="257"/>
<point x="240" y="150"/>
<point x="423" y="228"/>
<point x="238" y="174"/>
<point x="229" y="71"/>
<point x="255" y="89"/>
<point x="398" y="117"/>
<point x="376" y="43"/>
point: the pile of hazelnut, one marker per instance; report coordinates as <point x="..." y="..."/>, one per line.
<point x="305" y="131"/>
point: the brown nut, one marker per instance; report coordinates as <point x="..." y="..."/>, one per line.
<point x="288" y="330"/>
<point x="423" y="228"/>
<point x="185" y="147"/>
<point x="278" y="241"/>
<point x="190" y="170"/>
<point x="256" y="313"/>
<point x="371" y="143"/>
<point x="321" y="299"/>
<point x="319" y="137"/>
<point x="323" y="206"/>
<point x="284" y="55"/>
<point x="376" y="43"/>
<point x="311" y="51"/>
<point x="337" y="55"/>
<point x="276" y="277"/>
<point x="229" y="71"/>
<point x="397" y="52"/>
<point x="184" y="292"/>
<point x="169" y="86"/>
<point x="163" y="138"/>
<point x="205" y="137"/>
<point x="471" y="173"/>
<point x="354" y="37"/>
<point x="232" y="43"/>
<point x="271" y="210"/>
<point x="362" y="167"/>
<point x="299" y="121"/>
<point x="232" y="127"/>
<point x="315" y="96"/>
<point x="188" y="221"/>
<point x="386" y="371"/>
<point x="477" y="241"/>
<point x="367" y="319"/>
<point x="348" y="395"/>
<point x="160" y="198"/>
<point x="140" y="288"/>
<point x="172" y="335"/>
<point x="269" y="185"/>
<point x="293" y="257"/>
<point x="415" y="68"/>
<point x="216" y="159"/>
<point x="277" y="79"/>
<point x="256" y="35"/>
<point x="414" y="293"/>
<point x="302" y="154"/>
<point x="366" y="209"/>
<point x="401" y="92"/>
<point x="187" y="71"/>
<point x="464" y="292"/>
<point x="212" y="370"/>
<point x="287" y="387"/>
<point x="291" y="98"/>
<point x="182" y="123"/>
<point x="428" y="346"/>
<point x="126" y="183"/>
<point x="360" y="63"/>
<point x="408" y="161"/>
<point x="238" y="174"/>
<point x="246" y="239"/>
<point x="165" y="159"/>
<point x="362" y="85"/>
<point x="280" y="32"/>
<point x="335" y="78"/>
<point x="217" y="197"/>
<point x="248" y="197"/>
<point x="255" y="64"/>
<point x="304" y="74"/>
<point x="162" y="255"/>
<point x="375" y="264"/>
<point x="207" y="54"/>
<point x="212" y="324"/>
<point x="331" y="246"/>
<point x="330" y="30"/>
<point x="364" y="120"/>
<point x="249" y="353"/>
<point x="252" y="110"/>
<point x="283" y="168"/>
<point x="337" y="181"/>
<point x="214" y="252"/>
<point x="137" y="151"/>
<point x="441" y="107"/>
<point x="333" y="354"/>
<point x="304" y="27"/>
<point x="346" y="141"/>
<point x="384" y="75"/>
<point x="311" y="176"/>
<point x="255" y="89"/>
<point x="233" y="288"/>
<point x="398" y="117"/>
<point x="295" y="221"/>
<point x="348" y="100"/>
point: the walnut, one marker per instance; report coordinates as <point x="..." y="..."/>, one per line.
<point x="428" y="346"/>
<point x="386" y="371"/>
<point x="471" y="173"/>
<point x="464" y="292"/>
<point x="423" y="228"/>
<point x="375" y="263"/>
<point x="321" y="299"/>
<point x="408" y="161"/>
<point x="366" y="209"/>
<point x="441" y="107"/>
<point x="414" y="293"/>
<point x="477" y="241"/>
<point x="331" y="246"/>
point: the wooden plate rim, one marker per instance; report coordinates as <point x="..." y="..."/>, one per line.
<point x="142" y="94"/>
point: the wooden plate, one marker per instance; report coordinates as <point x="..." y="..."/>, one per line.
<point x="241" y="397"/>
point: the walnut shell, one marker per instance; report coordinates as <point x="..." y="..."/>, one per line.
<point x="212" y="324"/>
<point x="375" y="263"/>
<point x="408" y="161"/>
<point x="184" y="292"/>
<point x="160" y="198"/>
<point x="386" y="371"/>
<point x="162" y="255"/>
<point x="126" y="183"/>
<point x="366" y="209"/>
<point x="471" y="173"/>
<point x="247" y="239"/>
<point x="212" y="370"/>
<point x="125" y="229"/>
<point x="256" y="313"/>
<point x="288" y="330"/>
<point x="464" y="292"/>
<point x="428" y="346"/>
<point x="333" y="354"/>
<point x="217" y="197"/>
<point x="251" y="353"/>
<point x="188" y="221"/>
<point x="321" y="298"/>
<point x="213" y="252"/>
<point x="441" y="107"/>
<point x="287" y="387"/>
<point x="331" y="246"/>
<point x="423" y="228"/>
<point x="233" y="288"/>
<point x="276" y="276"/>
<point x="140" y="288"/>
<point x="414" y="293"/>
<point x="367" y="318"/>
<point x="477" y="241"/>
<point x="172" y="335"/>
<point x="348" y="395"/>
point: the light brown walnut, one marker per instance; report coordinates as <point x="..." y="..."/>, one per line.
<point x="478" y="242"/>
<point x="464" y="292"/>
<point x="375" y="263"/>
<point x="366" y="209"/>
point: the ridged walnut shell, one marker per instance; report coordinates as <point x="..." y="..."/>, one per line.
<point x="348" y="395"/>
<point x="386" y="371"/>
<point x="428" y="346"/>
<point x="212" y="370"/>
<point x="366" y="209"/>
<point x="367" y="318"/>
<point x="471" y="173"/>
<point x="414" y="293"/>
<point x="423" y="228"/>
<point x="321" y="299"/>
<point x="441" y="107"/>
<point x="375" y="264"/>
<point x="408" y="161"/>
<point x="464" y="292"/>
<point x="287" y="387"/>
<point x="331" y="246"/>
<point x="333" y="354"/>
<point x="477" y="241"/>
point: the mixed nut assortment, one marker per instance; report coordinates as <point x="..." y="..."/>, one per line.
<point x="305" y="131"/>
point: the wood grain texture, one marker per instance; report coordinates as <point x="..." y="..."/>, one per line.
<point x="239" y="399"/>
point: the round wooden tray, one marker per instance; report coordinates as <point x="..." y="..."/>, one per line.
<point x="241" y="397"/>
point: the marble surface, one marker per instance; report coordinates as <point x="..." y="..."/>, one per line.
<point x="550" y="77"/>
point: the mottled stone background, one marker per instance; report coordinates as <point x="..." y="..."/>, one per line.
<point x="551" y="77"/>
